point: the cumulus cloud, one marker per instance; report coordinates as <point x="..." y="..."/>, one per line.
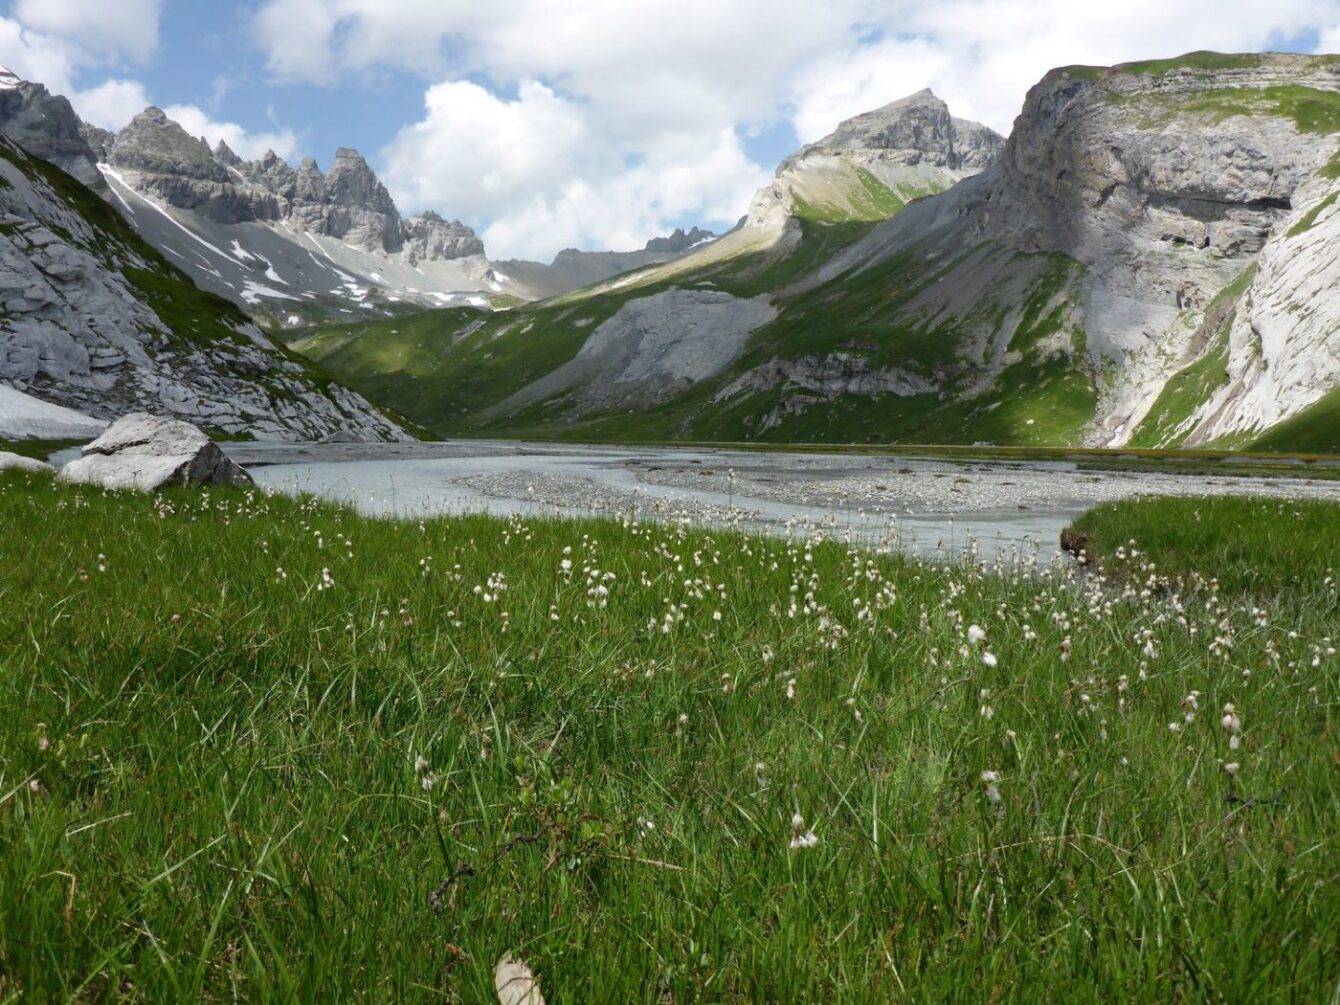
<point x="554" y="119"/>
<point x="111" y="104"/>
<point x="247" y="145"/>
<point x="107" y="28"/>
<point x="34" y="56"/>
<point x="538" y="175"/>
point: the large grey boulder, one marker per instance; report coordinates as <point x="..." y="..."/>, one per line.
<point x="146" y="452"/>
<point x="17" y="462"/>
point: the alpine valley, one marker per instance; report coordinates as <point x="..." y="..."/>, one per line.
<point x="1149" y="260"/>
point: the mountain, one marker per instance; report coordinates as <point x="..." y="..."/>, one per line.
<point x="93" y="320"/>
<point x="651" y="336"/>
<point x="46" y="126"/>
<point x="1150" y="260"/>
<point x="290" y="246"/>
<point x="573" y="269"/>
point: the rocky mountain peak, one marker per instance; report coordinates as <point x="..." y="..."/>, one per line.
<point x="917" y="129"/>
<point x="224" y="154"/>
<point x="428" y="236"/>
<point x="154" y="143"/>
<point x="679" y="241"/>
<point x="46" y="126"/>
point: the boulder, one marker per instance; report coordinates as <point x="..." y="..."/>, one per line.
<point x="146" y="452"/>
<point x="18" y="462"/>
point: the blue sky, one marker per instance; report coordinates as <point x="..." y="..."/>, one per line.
<point x="589" y="123"/>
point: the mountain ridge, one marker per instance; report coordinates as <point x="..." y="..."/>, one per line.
<point x="1144" y="262"/>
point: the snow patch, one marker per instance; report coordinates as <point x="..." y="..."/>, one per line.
<point x="24" y="417"/>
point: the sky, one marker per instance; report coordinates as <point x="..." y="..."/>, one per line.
<point x="596" y="124"/>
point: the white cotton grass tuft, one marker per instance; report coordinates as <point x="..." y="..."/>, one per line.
<point x="1232" y="724"/>
<point x="800" y="837"/>
<point x="989" y="782"/>
<point x="976" y="635"/>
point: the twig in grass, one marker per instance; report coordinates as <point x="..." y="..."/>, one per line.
<point x="649" y="861"/>
<point x="435" y="899"/>
<point x="67" y="913"/>
<point x="1246" y="801"/>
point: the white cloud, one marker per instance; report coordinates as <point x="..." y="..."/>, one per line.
<point x="111" y="104"/>
<point x="1329" y="40"/>
<point x="566" y="161"/>
<point x="108" y="28"/>
<point x="247" y="145"/>
<point x="538" y="176"/>
<point x="34" y="56"/>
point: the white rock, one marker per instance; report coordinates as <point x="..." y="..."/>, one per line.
<point x="146" y="452"/>
<point x="17" y="462"/>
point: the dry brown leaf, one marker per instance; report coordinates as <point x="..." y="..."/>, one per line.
<point x="515" y="984"/>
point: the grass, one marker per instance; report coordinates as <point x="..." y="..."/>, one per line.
<point x="210" y="786"/>
<point x="1311" y="109"/>
<point x="1253" y="547"/>
<point x="1310" y="218"/>
<point x="38" y="449"/>
<point x="1315" y="429"/>
<point x="1201" y="60"/>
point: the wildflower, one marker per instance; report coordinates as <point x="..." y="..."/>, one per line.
<point x="800" y="837"/>
<point x="42" y="742"/>
<point x="761" y="774"/>
<point x="989" y="660"/>
<point x="989" y="780"/>
<point x="976" y="635"/>
<point x="1231" y="769"/>
<point x="420" y="764"/>
<point x="428" y="781"/>
<point x="1232" y="725"/>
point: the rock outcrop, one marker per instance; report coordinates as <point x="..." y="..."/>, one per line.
<point x="17" y="462"/>
<point x="873" y="163"/>
<point x="428" y="236"/>
<point x="161" y="159"/>
<point x="46" y="126"/>
<point x="680" y="241"/>
<point x="147" y="453"/>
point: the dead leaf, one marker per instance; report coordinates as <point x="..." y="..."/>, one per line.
<point x="515" y="984"/>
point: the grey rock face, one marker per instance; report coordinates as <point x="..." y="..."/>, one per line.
<point x="166" y="162"/>
<point x="429" y="237"/>
<point x="46" y="126"/>
<point x="223" y="153"/>
<point x="145" y="452"/>
<point x="680" y="241"/>
<point x="917" y="129"/>
<point x="652" y="349"/>
<point x="359" y="210"/>
<point x="99" y="141"/>
<point x="1166" y="186"/>
<point x="76" y="332"/>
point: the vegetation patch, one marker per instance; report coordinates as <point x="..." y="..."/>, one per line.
<point x="1316" y="429"/>
<point x="1200" y="60"/>
<point x="1310" y="218"/>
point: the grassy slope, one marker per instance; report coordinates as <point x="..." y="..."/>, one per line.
<point x="1196" y="383"/>
<point x="1315" y="429"/>
<point x="227" y="804"/>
